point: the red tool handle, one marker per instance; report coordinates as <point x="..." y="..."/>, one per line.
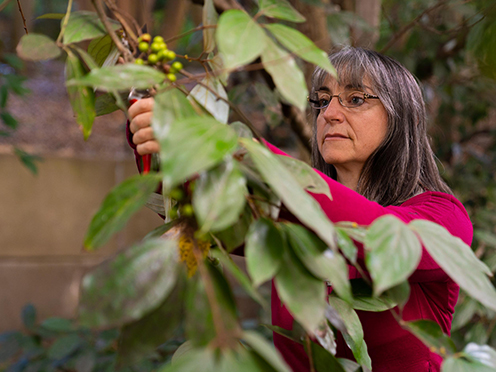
<point x="147" y="159"/>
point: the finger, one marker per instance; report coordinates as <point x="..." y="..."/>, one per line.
<point x="141" y="106"/>
<point x="120" y="61"/>
<point x="149" y="147"/>
<point x="141" y="121"/>
<point x="143" y="135"/>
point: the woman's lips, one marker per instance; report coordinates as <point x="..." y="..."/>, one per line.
<point x="335" y="136"/>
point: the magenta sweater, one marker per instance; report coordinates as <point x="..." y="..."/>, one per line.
<point x="433" y="294"/>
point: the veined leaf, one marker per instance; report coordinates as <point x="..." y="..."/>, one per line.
<point x="320" y="260"/>
<point x="214" y="105"/>
<point x="105" y="104"/>
<point x="390" y="244"/>
<point x="100" y="48"/>
<point x="264" y="248"/>
<point x="281" y="9"/>
<point x="301" y="45"/>
<point x="120" y="77"/>
<point x="216" y="63"/>
<point x="85" y="25"/>
<point x="457" y="260"/>
<point x="354" y="336"/>
<point x="287" y="76"/>
<point x="193" y="145"/>
<point x="130" y="285"/>
<point x="431" y="334"/>
<point x="239" y="38"/>
<point x="346" y="245"/>
<point x="209" y="19"/>
<point x="323" y="360"/>
<point x="82" y="97"/>
<point x="282" y="182"/>
<point x="36" y="47"/>
<point x="119" y="205"/>
<point x="265" y="350"/>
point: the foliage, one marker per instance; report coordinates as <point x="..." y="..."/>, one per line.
<point x="223" y="190"/>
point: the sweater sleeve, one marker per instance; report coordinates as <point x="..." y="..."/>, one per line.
<point x="441" y="208"/>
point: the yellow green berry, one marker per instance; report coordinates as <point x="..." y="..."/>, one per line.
<point x="143" y="46"/>
<point x="187" y="210"/>
<point x="156" y="47"/>
<point x="171" y="77"/>
<point x="170" y="55"/>
<point x="152" y="58"/>
<point x="139" y="61"/>
<point x="177" y="194"/>
<point x="158" y="39"/>
<point x="145" y="37"/>
<point x="162" y="54"/>
<point x="178" y="66"/>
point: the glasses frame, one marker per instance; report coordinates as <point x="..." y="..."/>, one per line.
<point x="366" y="96"/>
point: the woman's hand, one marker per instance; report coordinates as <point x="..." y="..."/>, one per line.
<point x="140" y="113"/>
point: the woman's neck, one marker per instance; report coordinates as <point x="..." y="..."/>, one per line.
<point x="348" y="177"/>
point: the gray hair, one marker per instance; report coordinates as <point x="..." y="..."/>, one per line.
<point x="404" y="164"/>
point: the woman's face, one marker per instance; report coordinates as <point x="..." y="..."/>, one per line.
<point x="348" y="136"/>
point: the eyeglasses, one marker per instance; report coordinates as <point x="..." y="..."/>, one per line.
<point x="348" y="98"/>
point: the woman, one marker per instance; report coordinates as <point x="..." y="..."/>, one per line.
<point x="371" y="146"/>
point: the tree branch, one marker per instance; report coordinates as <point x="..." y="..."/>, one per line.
<point x="22" y="15"/>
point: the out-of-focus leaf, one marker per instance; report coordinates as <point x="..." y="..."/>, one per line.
<point x="8" y="120"/>
<point x="4" y="95"/>
<point x="325" y="336"/>
<point x="129" y="285"/>
<point x="119" y="205"/>
<point x="319" y="259"/>
<point x="282" y="182"/>
<point x="236" y="272"/>
<point x="82" y="97"/>
<point x="354" y="335"/>
<point x="287" y="76"/>
<point x="194" y="145"/>
<point x="431" y="334"/>
<point x="263" y="250"/>
<point x="214" y="105"/>
<point x="85" y="25"/>
<point x="487" y="237"/>
<point x="464" y="311"/>
<point x="346" y="245"/>
<point x="234" y="236"/>
<point x="64" y="346"/>
<point x="161" y="230"/>
<point x="281" y="9"/>
<point x="51" y="16"/>
<point x="28" y="160"/>
<point x="265" y="350"/>
<point x="195" y="359"/>
<point x="457" y="260"/>
<point x="142" y="337"/>
<point x="453" y="364"/>
<point x="306" y="176"/>
<point x="241" y="129"/>
<point x="209" y="19"/>
<point x="216" y="63"/>
<point x="58" y="325"/>
<point x="481" y="41"/>
<point x="198" y="324"/>
<point x="239" y="38"/>
<point x="37" y="47"/>
<point x="86" y="361"/>
<point x="28" y="316"/>
<point x="185" y="347"/>
<point x="100" y="48"/>
<point x="301" y="45"/>
<point x="120" y="77"/>
<point x="483" y="354"/>
<point x="323" y="360"/>
<point x="399" y="294"/>
<point x="302" y="293"/>
<point x="390" y="243"/>
<point x="349" y="365"/>
<point x="105" y="104"/>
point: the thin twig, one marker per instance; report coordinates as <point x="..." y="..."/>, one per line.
<point x="310" y="356"/>
<point x="22" y="15"/>
<point x="103" y="17"/>
<point x="120" y="17"/>
<point x="198" y="28"/>
<point x="66" y="21"/>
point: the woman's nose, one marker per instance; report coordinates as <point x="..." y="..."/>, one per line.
<point x="334" y="111"/>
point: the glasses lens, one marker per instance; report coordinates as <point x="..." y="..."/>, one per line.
<point x="321" y="101"/>
<point x="352" y="98"/>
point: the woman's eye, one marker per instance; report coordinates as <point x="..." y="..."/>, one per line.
<point x="356" y="100"/>
<point x="323" y="102"/>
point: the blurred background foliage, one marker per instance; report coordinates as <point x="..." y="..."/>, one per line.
<point x="450" y="45"/>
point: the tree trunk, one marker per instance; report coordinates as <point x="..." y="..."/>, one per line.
<point x="370" y="11"/>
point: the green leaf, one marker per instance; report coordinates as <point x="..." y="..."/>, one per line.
<point x="139" y="339"/>
<point x="482" y="354"/>
<point x="265" y="350"/>
<point x="241" y="129"/>
<point x="323" y="360"/>
<point x="8" y="120"/>
<point x="236" y="272"/>
<point x="234" y="236"/>
<point x="306" y="176"/>
<point x="119" y="205"/>
<point x="263" y="250"/>
<point x="239" y="38"/>
<point x="132" y="284"/>
<point x="349" y="365"/>
<point x="209" y="18"/>
<point x="281" y="9"/>
<point x="282" y="182"/>
<point x="431" y="334"/>
<point x="302" y="46"/>
<point x="214" y="105"/>
<point x="100" y="48"/>
<point x="193" y="145"/>
<point x="58" y="325"/>
<point x="457" y="260"/>
<point x="198" y="325"/>
<point x="219" y="196"/>
<point x="194" y="360"/>
<point x="86" y="361"/>
<point x="161" y="230"/>
<point x="37" y="47"/>
<point x="64" y="346"/>
<point x="399" y="294"/>
<point x="85" y="25"/>
<point x="302" y="293"/>
<point x="51" y="16"/>
<point x="82" y="98"/>
<point x="28" y="160"/>
<point x="354" y="336"/>
<point x="120" y="77"/>
<point x="287" y="76"/>
<point x="216" y="63"/>
<point x="320" y="260"/>
<point x="4" y="95"/>
<point x="464" y="311"/>
<point x="105" y="104"/>
<point x="453" y="364"/>
<point x="28" y="316"/>
<point x="481" y="40"/>
<point x="390" y="243"/>
<point x="346" y="245"/>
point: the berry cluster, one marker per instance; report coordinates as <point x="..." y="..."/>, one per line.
<point x="184" y="208"/>
<point x="156" y="53"/>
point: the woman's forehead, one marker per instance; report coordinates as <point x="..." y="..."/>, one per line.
<point x="338" y="85"/>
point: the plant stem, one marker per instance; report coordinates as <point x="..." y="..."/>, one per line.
<point x="66" y="21"/>
<point x="121" y="18"/>
<point x="22" y="15"/>
<point x="103" y="17"/>
<point x="199" y="28"/>
<point x="309" y="352"/>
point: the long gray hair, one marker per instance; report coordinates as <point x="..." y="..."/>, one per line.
<point x="403" y="165"/>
